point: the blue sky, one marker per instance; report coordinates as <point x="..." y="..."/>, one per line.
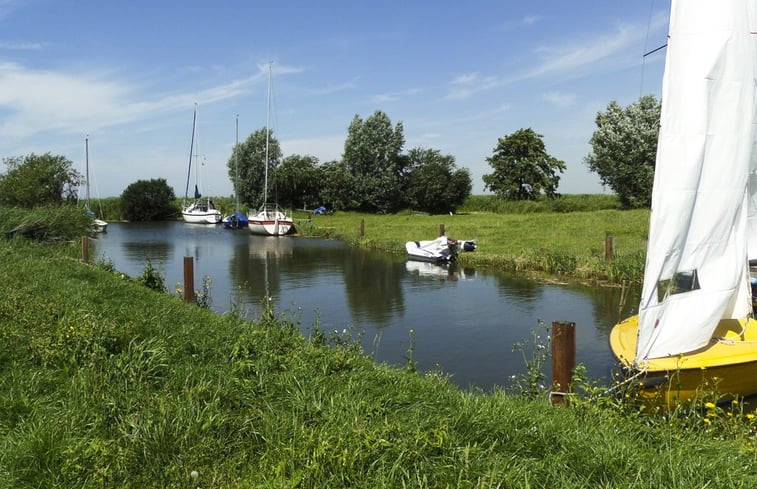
<point x="458" y="75"/>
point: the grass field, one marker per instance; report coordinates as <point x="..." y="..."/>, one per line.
<point x="107" y="383"/>
<point x="570" y="244"/>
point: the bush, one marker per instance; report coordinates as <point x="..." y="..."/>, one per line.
<point x="148" y="200"/>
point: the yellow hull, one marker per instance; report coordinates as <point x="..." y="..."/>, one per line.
<point x="727" y="366"/>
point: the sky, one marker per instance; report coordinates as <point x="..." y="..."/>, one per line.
<point x="457" y="75"/>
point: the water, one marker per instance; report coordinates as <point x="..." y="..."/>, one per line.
<point x="464" y="322"/>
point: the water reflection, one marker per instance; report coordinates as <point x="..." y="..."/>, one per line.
<point x="464" y="320"/>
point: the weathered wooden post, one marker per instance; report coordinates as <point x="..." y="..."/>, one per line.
<point x="189" y="279"/>
<point x="85" y="249"/>
<point x="563" y="359"/>
<point x="442" y="232"/>
<point x="362" y="228"/>
<point x="608" y="248"/>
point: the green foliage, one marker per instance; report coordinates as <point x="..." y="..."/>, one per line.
<point x="522" y="167"/>
<point x="152" y="278"/>
<point x="36" y="180"/>
<point x="250" y="155"/>
<point x="148" y="200"/>
<point x="560" y="203"/>
<point x="54" y="223"/>
<point x="337" y="190"/>
<point x="297" y="182"/>
<point x="372" y="153"/>
<point x="434" y="184"/>
<point x="624" y="148"/>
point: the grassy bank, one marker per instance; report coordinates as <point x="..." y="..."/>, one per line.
<point x="569" y="244"/>
<point x="106" y="383"/>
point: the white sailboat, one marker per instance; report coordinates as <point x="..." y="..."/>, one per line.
<point x="100" y="225"/>
<point x="199" y="211"/>
<point x="695" y="328"/>
<point x="270" y="220"/>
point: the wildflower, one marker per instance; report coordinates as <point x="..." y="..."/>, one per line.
<point x="750" y="416"/>
<point x="706" y="420"/>
<point x="709" y="405"/>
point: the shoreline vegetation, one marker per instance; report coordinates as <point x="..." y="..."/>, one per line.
<point x="109" y="383"/>
<point x="564" y="237"/>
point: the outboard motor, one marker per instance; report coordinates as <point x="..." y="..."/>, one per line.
<point x="453" y="248"/>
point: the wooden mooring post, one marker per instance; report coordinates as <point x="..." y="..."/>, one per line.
<point x="442" y="231"/>
<point x="362" y="228"/>
<point x="563" y="360"/>
<point x="608" y="248"/>
<point x="189" y="279"/>
<point x="85" y="249"/>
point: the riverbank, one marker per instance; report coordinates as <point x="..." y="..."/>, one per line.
<point x="107" y="383"/>
<point x="569" y="244"/>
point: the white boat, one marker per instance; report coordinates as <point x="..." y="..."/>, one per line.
<point x="100" y="225"/>
<point x="270" y="219"/>
<point x="695" y="330"/>
<point x="439" y="250"/>
<point x="199" y="210"/>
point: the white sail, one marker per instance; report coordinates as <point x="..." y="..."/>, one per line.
<point x="696" y="271"/>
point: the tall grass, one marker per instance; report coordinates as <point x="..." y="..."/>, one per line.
<point x="107" y="383"/>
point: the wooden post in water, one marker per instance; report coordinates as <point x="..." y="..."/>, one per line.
<point x="442" y="232"/>
<point x="189" y="279"/>
<point x="85" y="249"/>
<point x="362" y="228"/>
<point x="608" y="248"/>
<point x="563" y="360"/>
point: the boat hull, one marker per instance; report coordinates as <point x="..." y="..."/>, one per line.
<point x="440" y="250"/>
<point x="201" y="217"/>
<point x="727" y="366"/>
<point x="267" y="227"/>
<point x="270" y="221"/>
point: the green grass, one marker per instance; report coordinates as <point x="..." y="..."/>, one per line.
<point x="107" y="383"/>
<point x="570" y="244"/>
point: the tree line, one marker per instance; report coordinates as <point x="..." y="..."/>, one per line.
<point x="375" y="174"/>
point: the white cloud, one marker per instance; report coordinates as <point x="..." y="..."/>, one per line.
<point x="561" y="100"/>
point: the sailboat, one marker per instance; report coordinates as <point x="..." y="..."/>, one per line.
<point x="199" y="211"/>
<point x="695" y="332"/>
<point x="237" y="219"/>
<point x="100" y="225"/>
<point x="270" y="219"/>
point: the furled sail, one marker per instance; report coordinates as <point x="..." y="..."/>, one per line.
<point x="696" y="272"/>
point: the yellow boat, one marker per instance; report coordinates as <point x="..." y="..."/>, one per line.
<point x="695" y="330"/>
<point x="727" y="365"/>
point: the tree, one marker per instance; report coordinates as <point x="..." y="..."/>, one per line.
<point x="435" y="185"/>
<point x="372" y="153"/>
<point x="337" y="191"/>
<point x="522" y="167"/>
<point x="148" y="200"/>
<point x="36" y="180"/>
<point x="624" y="148"/>
<point x="297" y="181"/>
<point x="251" y="160"/>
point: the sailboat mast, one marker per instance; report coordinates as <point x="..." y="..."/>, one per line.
<point x="191" y="151"/>
<point x="267" y="132"/>
<point x="86" y="163"/>
<point x="236" y="168"/>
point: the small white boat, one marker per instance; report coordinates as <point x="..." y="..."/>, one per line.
<point x="100" y="225"/>
<point x="439" y="250"/>
<point x="270" y="219"/>
<point x="200" y="211"/>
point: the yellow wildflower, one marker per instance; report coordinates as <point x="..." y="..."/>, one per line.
<point x="709" y="405"/>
